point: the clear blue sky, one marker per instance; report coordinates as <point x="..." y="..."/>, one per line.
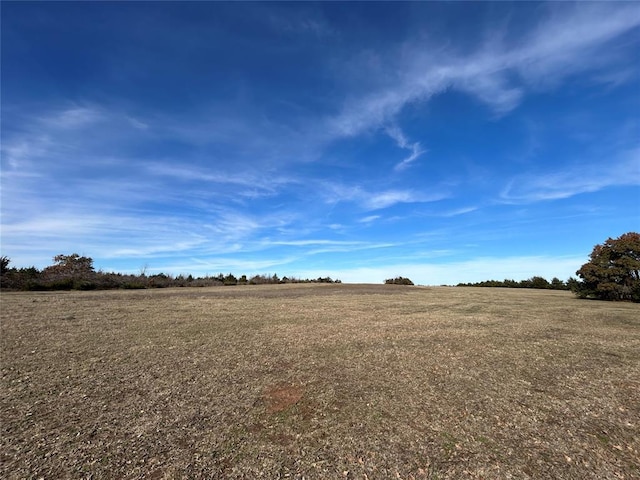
<point x="446" y="142"/>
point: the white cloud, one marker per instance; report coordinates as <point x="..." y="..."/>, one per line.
<point x="590" y="177"/>
<point x="310" y="242"/>
<point x="75" y="139"/>
<point x="458" y="211"/>
<point x="371" y="200"/>
<point x="369" y="219"/>
<point x="416" y="152"/>
<point x="18" y="153"/>
<point x="572" y="39"/>
<point x="401" y="140"/>
<point x="76" y="117"/>
<point x="53" y="226"/>
<point x="492" y="89"/>
<point x="398" y="136"/>
<point x="386" y="199"/>
<point x="255" y="185"/>
<point x="136" y="123"/>
<point x="159" y="246"/>
<point x="568" y="41"/>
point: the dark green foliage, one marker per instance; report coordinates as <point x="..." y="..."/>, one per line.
<point x="4" y="264"/>
<point x="230" y="280"/>
<point x="613" y="271"/>
<point x="533" y="282"/>
<point x="398" y="281"/>
<point x="572" y="284"/>
<point x="539" y="282"/>
<point x="25" y="279"/>
<point x="326" y="280"/>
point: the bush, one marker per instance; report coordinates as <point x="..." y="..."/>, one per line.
<point x="230" y="280"/>
<point x="398" y="281"/>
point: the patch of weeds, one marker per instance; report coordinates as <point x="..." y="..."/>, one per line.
<point x="229" y="452"/>
<point x="450" y="443"/>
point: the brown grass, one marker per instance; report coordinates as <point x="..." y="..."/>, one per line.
<point x="319" y="381"/>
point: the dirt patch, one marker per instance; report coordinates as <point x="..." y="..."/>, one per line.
<point x="279" y="397"/>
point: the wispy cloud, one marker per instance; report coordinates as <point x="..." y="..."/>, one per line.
<point x="571" y="39"/>
<point x="590" y="177"/>
<point x="84" y="232"/>
<point x="377" y="200"/>
<point x="74" y="117"/>
<point x="254" y="185"/>
<point x="67" y="137"/>
<point x="153" y="249"/>
<point x="310" y="242"/>
<point x="458" y="211"/>
<point x="16" y="154"/>
<point x="300" y="22"/>
<point x="213" y="265"/>
<point x="401" y="140"/>
<point x="369" y="218"/>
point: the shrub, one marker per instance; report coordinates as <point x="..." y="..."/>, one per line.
<point x="398" y="281"/>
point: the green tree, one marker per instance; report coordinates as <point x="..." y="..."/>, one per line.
<point x="4" y="264"/>
<point x="398" y="281"/>
<point x="230" y="280"/>
<point x="613" y="271"/>
<point x="539" y="282"/>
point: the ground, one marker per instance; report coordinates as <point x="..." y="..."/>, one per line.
<point x="319" y="381"/>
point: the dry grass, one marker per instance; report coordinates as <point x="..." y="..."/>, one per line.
<point x="319" y="381"/>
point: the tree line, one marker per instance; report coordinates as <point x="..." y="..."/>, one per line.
<point x="76" y="272"/>
<point x="612" y="273"/>
<point x="533" y="282"/>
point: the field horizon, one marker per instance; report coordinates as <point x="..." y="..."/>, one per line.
<point x="319" y="381"/>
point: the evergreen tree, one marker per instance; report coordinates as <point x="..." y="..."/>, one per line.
<point x="613" y="271"/>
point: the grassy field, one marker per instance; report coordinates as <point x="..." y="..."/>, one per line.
<point x="319" y="381"/>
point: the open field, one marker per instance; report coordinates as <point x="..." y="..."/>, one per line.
<point x="319" y="381"/>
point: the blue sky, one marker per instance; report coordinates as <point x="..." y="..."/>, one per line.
<point x="446" y="142"/>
